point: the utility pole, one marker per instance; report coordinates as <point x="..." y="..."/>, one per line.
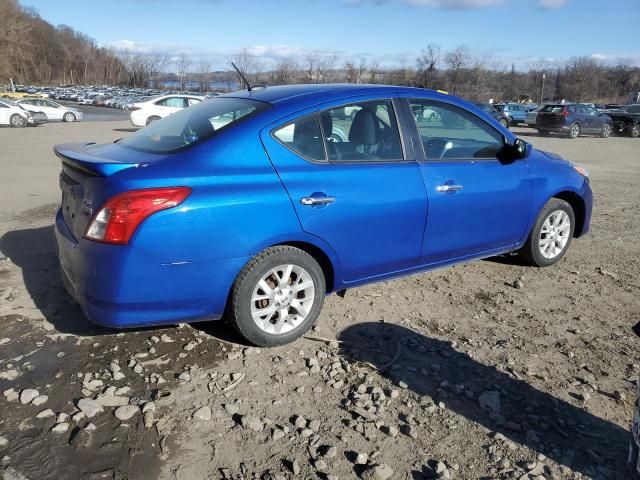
<point x="542" y="89"/>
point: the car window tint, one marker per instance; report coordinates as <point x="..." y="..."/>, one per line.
<point x="365" y="131"/>
<point x="190" y="126"/>
<point x="303" y="137"/>
<point x="449" y="132"/>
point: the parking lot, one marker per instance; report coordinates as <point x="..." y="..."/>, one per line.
<point x="484" y="370"/>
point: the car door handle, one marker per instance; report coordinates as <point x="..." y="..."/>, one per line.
<point x="448" y="188"/>
<point x="317" y="200"/>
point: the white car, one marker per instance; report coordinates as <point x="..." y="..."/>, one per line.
<point x="144" y="113"/>
<point x="531" y="117"/>
<point x="53" y="110"/>
<point x="13" y="114"/>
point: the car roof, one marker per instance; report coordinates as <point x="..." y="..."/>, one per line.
<point x="328" y="91"/>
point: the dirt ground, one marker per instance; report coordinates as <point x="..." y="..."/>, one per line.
<point x="489" y="370"/>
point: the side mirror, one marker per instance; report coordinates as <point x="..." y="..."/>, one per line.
<point x="515" y="151"/>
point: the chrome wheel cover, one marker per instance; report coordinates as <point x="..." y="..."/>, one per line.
<point x="282" y="299"/>
<point x="554" y="234"/>
<point x="575" y="130"/>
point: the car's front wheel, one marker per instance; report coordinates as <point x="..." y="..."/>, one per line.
<point x="18" y="121"/>
<point x="634" y="131"/>
<point x="69" y="117"/>
<point x="606" y="131"/>
<point x="277" y="296"/>
<point x="504" y="122"/>
<point x="551" y="235"/>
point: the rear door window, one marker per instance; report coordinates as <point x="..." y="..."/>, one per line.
<point x="304" y="137"/>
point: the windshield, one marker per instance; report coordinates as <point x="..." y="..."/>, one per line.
<point x="192" y="125"/>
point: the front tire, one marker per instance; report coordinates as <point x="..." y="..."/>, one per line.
<point x="634" y="131"/>
<point x="606" y="131"/>
<point x="277" y="296"/>
<point x="504" y="122"/>
<point x="69" y="117"/>
<point x="551" y="235"/>
<point x="18" y="121"/>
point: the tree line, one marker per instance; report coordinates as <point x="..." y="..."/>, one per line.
<point x="32" y="51"/>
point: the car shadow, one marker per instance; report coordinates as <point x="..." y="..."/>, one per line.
<point x="565" y="433"/>
<point x="126" y="130"/>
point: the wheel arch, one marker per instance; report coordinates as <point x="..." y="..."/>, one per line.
<point x="579" y="209"/>
<point x="319" y="255"/>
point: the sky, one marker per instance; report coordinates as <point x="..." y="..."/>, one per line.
<point x="387" y="31"/>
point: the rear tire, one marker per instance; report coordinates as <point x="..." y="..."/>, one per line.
<point x="277" y="296"/>
<point x="150" y="120"/>
<point x="574" y="131"/>
<point x="551" y="235"/>
<point x="18" y="121"/>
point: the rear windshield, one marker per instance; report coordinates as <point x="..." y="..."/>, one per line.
<point x="192" y="125"/>
<point x="552" y="108"/>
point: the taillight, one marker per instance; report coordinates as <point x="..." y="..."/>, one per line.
<point x="565" y="112"/>
<point x="119" y="217"/>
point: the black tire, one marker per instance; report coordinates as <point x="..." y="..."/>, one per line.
<point x="69" y="117"/>
<point x="17" y="121"/>
<point x="634" y="131"/>
<point x="150" y="120"/>
<point x="606" y="131"/>
<point x="543" y="133"/>
<point x="574" y="131"/>
<point x="530" y="252"/>
<point x="239" y="307"/>
<point x="504" y="122"/>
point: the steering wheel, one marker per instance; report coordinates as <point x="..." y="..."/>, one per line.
<point x="440" y="143"/>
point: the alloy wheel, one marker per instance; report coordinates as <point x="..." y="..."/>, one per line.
<point x="282" y="299"/>
<point x="554" y="234"/>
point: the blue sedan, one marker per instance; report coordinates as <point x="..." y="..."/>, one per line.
<point x="255" y="205"/>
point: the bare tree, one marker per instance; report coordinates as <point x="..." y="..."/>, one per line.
<point x="247" y="63"/>
<point x="285" y="71"/>
<point x="456" y="60"/>
<point x="355" y="71"/>
<point x="204" y="74"/>
<point x="427" y="63"/>
<point x="183" y="63"/>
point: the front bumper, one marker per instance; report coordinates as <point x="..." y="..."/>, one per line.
<point x="119" y="286"/>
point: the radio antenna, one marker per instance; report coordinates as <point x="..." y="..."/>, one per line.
<point x="241" y="76"/>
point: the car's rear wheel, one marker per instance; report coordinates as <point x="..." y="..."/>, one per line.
<point x="606" y="131"/>
<point x="150" y="120"/>
<point x="277" y="296"/>
<point x="69" y="117"/>
<point x="551" y="235"/>
<point x="634" y="131"/>
<point x="17" y="121"/>
<point x="574" y="131"/>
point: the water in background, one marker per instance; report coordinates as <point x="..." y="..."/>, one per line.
<point x="213" y="86"/>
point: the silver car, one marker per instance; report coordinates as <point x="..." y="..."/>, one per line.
<point x="53" y="110"/>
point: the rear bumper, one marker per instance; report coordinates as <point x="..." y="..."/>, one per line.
<point x="119" y="287"/>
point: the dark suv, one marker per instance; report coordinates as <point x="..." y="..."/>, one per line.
<point x="499" y="116"/>
<point x="572" y="120"/>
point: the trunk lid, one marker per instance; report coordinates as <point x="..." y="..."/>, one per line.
<point x="551" y="116"/>
<point x="86" y="168"/>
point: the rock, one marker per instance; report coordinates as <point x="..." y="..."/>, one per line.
<point x="277" y="434"/>
<point x="203" y="413"/>
<point x="137" y="368"/>
<point x="78" y="417"/>
<point x="330" y="452"/>
<point x="320" y="464"/>
<point x="251" y="423"/>
<point x="39" y="400"/>
<point x="125" y="412"/>
<point x="166" y="338"/>
<point x="442" y="471"/>
<point x="392" y="431"/>
<point x="27" y="395"/>
<point x="295" y="468"/>
<point x="60" y="428"/>
<point x="402" y="384"/>
<point x="10" y="473"/>
<point x="361" y="459"/>
<point x="112" y="400"/>
<point x="490" y="402"/>
<point x="184" y="377"/>
<point x="314" y="425"/>
<point x="300" y="422"/>
<point x="377" y="472"/>
<point x="10" y="374"/>
<point x="62" y="417"/>
<point x="89" y="407"/>
<point x="3" y="442"/>
<point x="81" y="438"/>
<point x="231" y="408"/>
<point x="148" y="407"/>
<point x="148" y="419"/>
<point x="45" y="413"/>
<point x="4" y="340"/>
<point x="118" y="375"/>
<point x="11" y="394"/>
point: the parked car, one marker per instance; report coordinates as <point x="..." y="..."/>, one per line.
<point x="532" y="116"/>
<point x="572" y="120"/>
<point x="220" y="208"/>
<point x="16" y="116"/>
<point x="52" y="110"/>
<point x="626" y="120"/>
<point x="144" y="113"/>
<point x="499" y="116"/>
<point x="515" y="112"/>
